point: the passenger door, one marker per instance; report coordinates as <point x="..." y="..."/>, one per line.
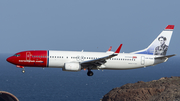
<point x="142" y="60"/>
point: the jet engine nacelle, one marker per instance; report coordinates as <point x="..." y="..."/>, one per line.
<point x="72" y="67"/>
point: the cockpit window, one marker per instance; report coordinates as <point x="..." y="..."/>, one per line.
<point x="17" y="55"/>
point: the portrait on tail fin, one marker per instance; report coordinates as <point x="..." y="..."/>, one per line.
<point x="162" y="48"/>
<point x="160" y="45"/>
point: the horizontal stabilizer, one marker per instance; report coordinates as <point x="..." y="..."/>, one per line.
<point x="168" y="56"/>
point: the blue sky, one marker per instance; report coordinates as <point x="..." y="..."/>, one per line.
<point x="89" y="25"/>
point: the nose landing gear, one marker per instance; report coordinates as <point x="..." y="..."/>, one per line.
<point x="23" y="71"/>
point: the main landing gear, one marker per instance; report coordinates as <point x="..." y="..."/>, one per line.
<point x="90" y="73"/>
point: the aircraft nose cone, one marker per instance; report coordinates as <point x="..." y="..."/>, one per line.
<point x="9" y="59"/>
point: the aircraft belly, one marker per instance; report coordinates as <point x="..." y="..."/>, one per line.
<point x="122" y="65"/>
<point x="157" y="61"/>
<point x="56" y="63"/>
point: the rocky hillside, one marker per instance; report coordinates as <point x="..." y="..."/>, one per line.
<point x="164" y="89"/>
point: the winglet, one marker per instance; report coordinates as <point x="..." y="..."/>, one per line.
<point x="119" y="48"/>
<point x="110" y="48"/>
<point x="170" y="27"/>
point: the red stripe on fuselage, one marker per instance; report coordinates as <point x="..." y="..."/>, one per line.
<point x="36" y="58"/>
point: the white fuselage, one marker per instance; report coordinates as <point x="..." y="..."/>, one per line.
<point x="121" y="61"/>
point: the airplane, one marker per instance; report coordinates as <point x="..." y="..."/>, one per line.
<point x="75" y="61"/>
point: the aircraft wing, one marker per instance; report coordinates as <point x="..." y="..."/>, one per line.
<point x="100" y="61"/>
<point x="97" y="62"/>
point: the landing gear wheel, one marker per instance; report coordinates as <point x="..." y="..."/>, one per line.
<point x="90" y="73"/>
<point x="23" y="71"/>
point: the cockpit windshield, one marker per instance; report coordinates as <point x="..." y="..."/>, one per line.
<point x="17" y="55"/>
